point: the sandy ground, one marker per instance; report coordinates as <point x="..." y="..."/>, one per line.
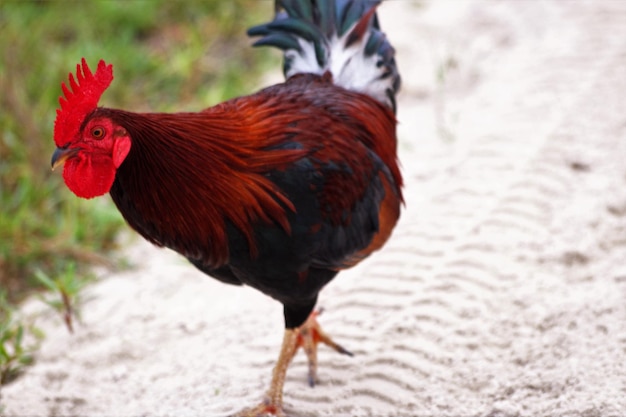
<point x="500" y="294"/>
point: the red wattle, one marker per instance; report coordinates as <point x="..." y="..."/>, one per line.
<point x="89" y="177"/>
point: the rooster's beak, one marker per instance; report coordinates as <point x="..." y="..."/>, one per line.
<point x="60" y="155"/>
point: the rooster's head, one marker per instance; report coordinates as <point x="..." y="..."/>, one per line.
<point x="91" y="147"/>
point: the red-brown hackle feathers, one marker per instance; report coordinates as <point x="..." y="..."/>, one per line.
<point x="191" y="173"/>
<point x="80" y="99"/>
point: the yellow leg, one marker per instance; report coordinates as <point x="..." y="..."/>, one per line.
<point x="272" y="404"/>
<point x="310" y="334"/>
<point x="306" y="336"/>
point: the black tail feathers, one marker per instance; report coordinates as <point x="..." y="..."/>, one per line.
<point x="340" y="36"/>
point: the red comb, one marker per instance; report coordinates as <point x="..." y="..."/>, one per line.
<point x="83" y="97"/>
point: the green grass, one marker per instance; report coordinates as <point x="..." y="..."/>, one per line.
<point x="167" y="56"/>
<point x="15" y="352"/>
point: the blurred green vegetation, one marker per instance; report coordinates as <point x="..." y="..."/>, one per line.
<point x="167" y="56"/>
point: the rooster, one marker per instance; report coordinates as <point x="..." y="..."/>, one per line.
<point x="279" y="190"/>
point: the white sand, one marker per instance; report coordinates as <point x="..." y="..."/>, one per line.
<point x="502" y="292"/>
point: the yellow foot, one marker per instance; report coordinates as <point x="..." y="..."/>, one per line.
<point x="265" y="409"/>
<point x="307" y="336"/>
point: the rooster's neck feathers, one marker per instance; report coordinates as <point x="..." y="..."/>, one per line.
<point x="212" y="161"/>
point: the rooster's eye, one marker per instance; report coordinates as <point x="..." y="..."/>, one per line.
<point x="97" y="132"/>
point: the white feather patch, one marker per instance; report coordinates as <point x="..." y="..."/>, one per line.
<point x="350" y="67"/>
